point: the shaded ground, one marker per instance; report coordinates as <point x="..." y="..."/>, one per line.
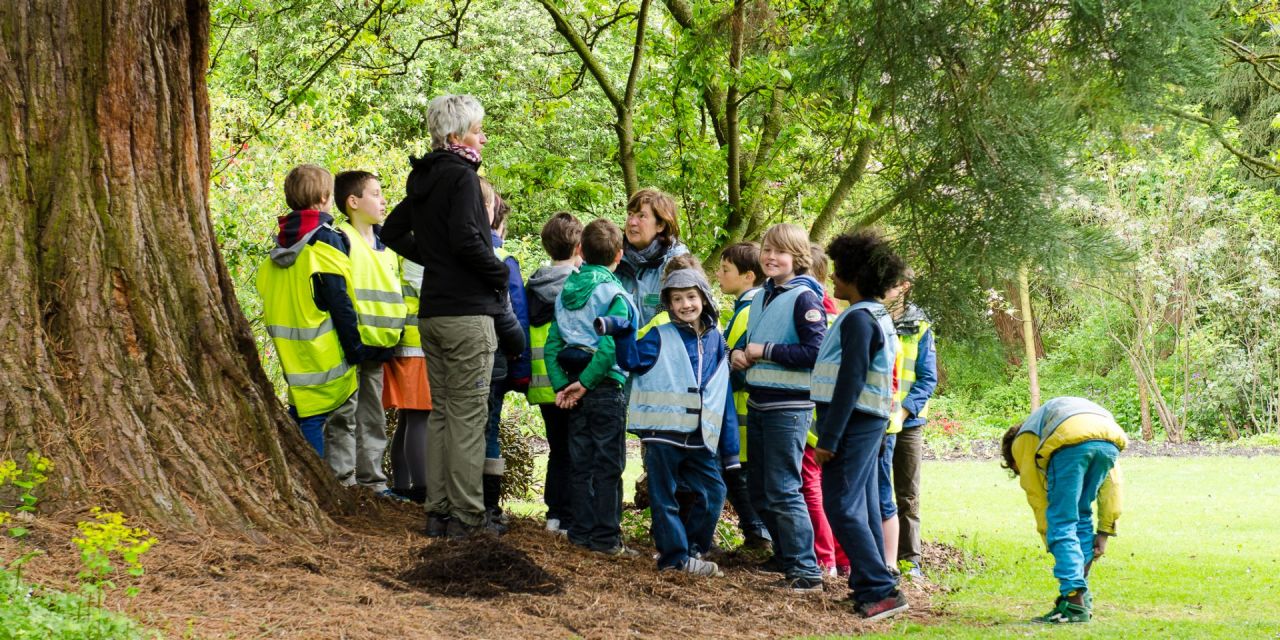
<point x="377" y="577"/>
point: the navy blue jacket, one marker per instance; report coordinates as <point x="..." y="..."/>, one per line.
<point x="810" y="320"/>
<point x="517" y="368"/>
<point x="638" y="356"/>
<point x="859" y="339"/>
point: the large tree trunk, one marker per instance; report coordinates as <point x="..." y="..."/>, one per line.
<point x="126" y="358"/>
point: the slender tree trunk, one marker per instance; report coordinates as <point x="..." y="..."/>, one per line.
<point x="734" y="160"/>
<point x="126" y="358"/>
<point x="1028" y="337"/>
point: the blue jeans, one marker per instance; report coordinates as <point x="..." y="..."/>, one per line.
<point x="775" y="447"/>
<point x="696" y="471"/>
<point x="312" y="428"/>
<point x="887" y="508"/>
<point x="850" y="496"/>
<point x="597" y="456"/>
<point x="497" y="394"/>
<point x="1073" y="478"/>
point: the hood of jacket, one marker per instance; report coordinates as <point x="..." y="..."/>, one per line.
<point x="541" y="291"/>
<point x="803" y="280"/>
<point x="909" y="323"/>
<point x="294" y="231"/>
<point x="693" y="279"/>
<point x="578" y="286"/>
<point x="424" y="174"/>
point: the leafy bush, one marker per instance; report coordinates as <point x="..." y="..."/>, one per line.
<point x="31" y="611"/>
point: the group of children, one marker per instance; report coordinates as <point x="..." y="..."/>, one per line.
<point x="785" y="412"/>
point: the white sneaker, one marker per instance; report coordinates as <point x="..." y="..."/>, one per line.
<point x="553" y="525"/>
<point x="704" y="568"/>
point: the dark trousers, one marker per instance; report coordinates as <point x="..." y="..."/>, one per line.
<point x="851" y="498"/>
<point x="739" y="494"/>
<point x="907" y="455"/>
<point x="556" y="490"/>
<point x="597" y="454"/>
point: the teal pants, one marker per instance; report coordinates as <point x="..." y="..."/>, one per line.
<point x="1074" y="476"/>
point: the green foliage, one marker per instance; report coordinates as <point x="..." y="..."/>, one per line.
<point x="101" y="539"/>
<point x="31" y="611"/>
<point x="24" y="482"/>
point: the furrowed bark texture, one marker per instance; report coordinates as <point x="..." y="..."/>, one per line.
<point x="125" y="357"/>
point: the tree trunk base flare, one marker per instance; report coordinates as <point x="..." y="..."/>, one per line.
<point x="126" y="358"/>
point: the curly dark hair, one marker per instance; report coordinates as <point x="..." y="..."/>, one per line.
<point x="866" y="260"/>
<point x="1006" y="449"/>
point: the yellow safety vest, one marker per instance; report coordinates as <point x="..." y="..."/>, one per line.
<point x="908" y="352"/>
<point x="736" y="330"/>
<point x="540" y="391"/>
<point x="379" y="301"/>
<point x="410" y="344"/>
<point x="304" y="337"/>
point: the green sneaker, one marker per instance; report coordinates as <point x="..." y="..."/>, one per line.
<point x="1064" y="613"/>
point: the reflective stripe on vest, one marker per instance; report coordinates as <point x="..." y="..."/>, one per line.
<point x="876" y="397"/>
<point x="379" y="303"/>
<point x="540" y="391"/>
<point x="908" y="353"/>
<point x="667" y="396"/>
<point x="304" y="337"/>
<point x="410" y="345"/>
<point x="577" y="326"/>
<point x="776" y="324"/>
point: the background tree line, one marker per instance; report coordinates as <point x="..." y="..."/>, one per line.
<point x="1123" y="151"/>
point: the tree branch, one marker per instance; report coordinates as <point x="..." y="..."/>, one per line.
<point x="1249" y="160"/>
<point x="851" y="175"/>
<point x="579" y="45"/>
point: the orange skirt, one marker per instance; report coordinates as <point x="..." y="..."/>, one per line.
<point x="404" y="384"/>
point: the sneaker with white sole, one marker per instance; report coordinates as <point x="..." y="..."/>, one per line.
<point x="699" y="567"/>
<point x="891" y="606"/>
<point x="553" y="524"/>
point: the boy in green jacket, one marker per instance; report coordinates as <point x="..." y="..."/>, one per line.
<point x="583" y="368"/>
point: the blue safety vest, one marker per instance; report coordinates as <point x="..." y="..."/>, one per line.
<point x="775" y="323"/>
<point x="877" y="394"/>
<point x="670" y="397"/>
<point x="577" y="327"/>
<point x="1045" y="420"/>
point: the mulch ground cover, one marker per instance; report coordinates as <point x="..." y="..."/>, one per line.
<point x="375" y="576"/>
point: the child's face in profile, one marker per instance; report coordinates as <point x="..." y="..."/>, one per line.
<point x="686" y="304"/>
<point x="370" y="207"/>
<point x="843" y="290"/>
<point x="732" y="281"/>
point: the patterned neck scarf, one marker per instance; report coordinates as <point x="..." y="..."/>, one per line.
<point x="469" y="154"/>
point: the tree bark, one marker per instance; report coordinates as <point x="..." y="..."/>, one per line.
<point x="127" y="359"/>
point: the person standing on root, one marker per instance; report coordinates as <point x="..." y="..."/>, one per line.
<point x="1064" y="455"/>
<point x="917" y="379"/>
<point x="442" y="225"/>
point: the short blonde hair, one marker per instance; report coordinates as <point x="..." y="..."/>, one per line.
<point x="789" y="238"/>
<point x="308" y="185"/>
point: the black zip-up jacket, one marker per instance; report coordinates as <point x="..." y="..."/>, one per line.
<point x="442" y="225"/>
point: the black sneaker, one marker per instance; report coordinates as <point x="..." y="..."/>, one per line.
<point x="771" y="565"/>
<point x="437" y="525"/>
<point x="802" y="585"/>
<point x="891" y="606"/>
<point x="620" y="551"/>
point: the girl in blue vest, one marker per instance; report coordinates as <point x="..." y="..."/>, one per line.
<point x="784" y="331"/>
<point x="682" y="410"/>
<point x="853" y="388"/>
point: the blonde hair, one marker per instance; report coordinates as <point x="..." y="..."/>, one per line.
<point x="789" y="238"/>
<point x="488" y="194"/>
<point x="308" y="185"/>
<point x="819" y="269"/>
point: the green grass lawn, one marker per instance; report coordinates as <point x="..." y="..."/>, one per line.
<point x="1198" y="554"/>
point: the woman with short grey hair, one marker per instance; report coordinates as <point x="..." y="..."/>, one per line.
<point x="442" y="224"/>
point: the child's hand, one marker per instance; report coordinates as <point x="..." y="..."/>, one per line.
<point x="755" y="351"/>
<point x="739" y="360"/>
<point x="821" y="456"/>
<point x="1099" y="545"/>
<point x="568" y="397"/>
